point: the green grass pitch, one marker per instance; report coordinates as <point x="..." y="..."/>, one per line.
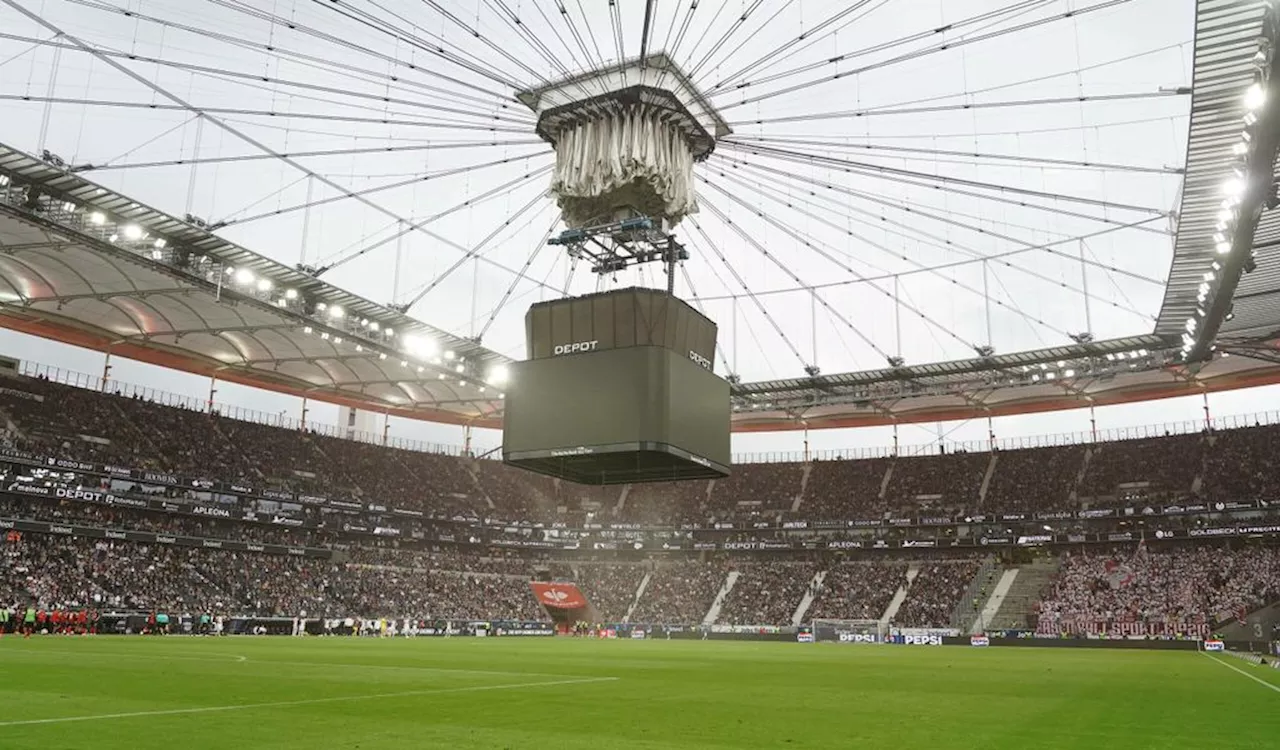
<point x="278" y="693"/>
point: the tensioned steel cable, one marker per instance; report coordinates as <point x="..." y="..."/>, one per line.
<point x="265" y="113"/>
<point x="737" y="24"/>
<point x="893" y="173"/>
<point x="822" y="250"/>
<point x="573" y="31"/>
<point x="749" y="293"/>
<point x="500" y="99"/>
<point x="384" y="188"/>
<point x="915" y="55"/>
<point x="436" y="44"/>
<point x="299" y="155"/>
<point x="499" y="191"/>
<point x="940" y="243"/>
<point x="258" y="78"/>
<point x="177" y="100"/>
<point x="475" y="251"/>
<point x="949" y="190"/>
<point x="533" y="256"/>
<point x="776" y="54"/>
<point x="773" y="258"/>
<point x="1008" y="104"/>
<point x="912" y="209"/>
<point x="872" y="147"/>
<point x="996" y="15"/>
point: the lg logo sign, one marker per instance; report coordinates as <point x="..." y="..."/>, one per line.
<point x="575" y="348"/>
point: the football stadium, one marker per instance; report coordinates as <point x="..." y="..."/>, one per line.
<point x="639" y="373"/>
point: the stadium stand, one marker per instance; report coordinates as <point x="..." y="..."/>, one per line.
<point x="1167" y="589"/>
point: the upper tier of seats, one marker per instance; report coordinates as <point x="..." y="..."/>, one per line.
<point x="69" y="422"/>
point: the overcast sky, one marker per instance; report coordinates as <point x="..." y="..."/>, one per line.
<point x="899" y="257"/>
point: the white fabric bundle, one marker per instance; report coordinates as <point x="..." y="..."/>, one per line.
<point x="630" y="158"/>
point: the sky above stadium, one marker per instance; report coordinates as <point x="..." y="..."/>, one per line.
<point x="1008" y="191"/>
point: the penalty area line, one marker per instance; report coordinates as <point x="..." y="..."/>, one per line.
<point x="1234" y="668"/>
<point x="304" y="702"/>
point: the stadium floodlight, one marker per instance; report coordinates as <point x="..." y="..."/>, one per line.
<point x="321" y="306"/>
<point x="481" y="389"/>
<point x="291" y="294"/>
<point x="306" y="329"/>
<point x="442" y="376"/>
<point x="1208" y="275"/>
<point x="1224" y="248"/>
<point x="4" y="180"/>
<point x="460" y="368"/>
<point x="1191" y="325"/>
<point x="324" y="335"/>
<point x="421" y="368"/>
<point x="336" y="311"/>
<point x="499" y="374"/>
<point x="160" y="243"/>
<point x="68" y="206"/>
<point x="1255" y="96"/>
<point x="449" y="354"/>
<point x="391" y="333"/>
<point x="1069" y="374"/>
<point x="264" y="285"/>
<point x="1233" y="186"/>
<point x="133" y="232"/>
<point x="97" y="218"/>
<point x="373" y="325"/>
<point x="244" y="276"/>
<point x="382" y="355"/>
<point x="337" y="340"/>
<point x="1240" y="148"/>
<point x="282" y="302"/>
<point x="501" y="396"/>
<point x="113" y="238"/>
<point x="1226" y="215"/>
<point x="404" y="363"/>
<point x="1250" y="119"/>
<point x="462" y="382"/>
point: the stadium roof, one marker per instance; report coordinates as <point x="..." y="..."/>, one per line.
<point x="85" y="265"/>
<point x="68" y="280"/>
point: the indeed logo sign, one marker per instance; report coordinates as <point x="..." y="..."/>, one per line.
<point x="699" y="360"/>
<point x="576" y="347"/>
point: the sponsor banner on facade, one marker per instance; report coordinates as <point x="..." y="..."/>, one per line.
<point x="147" y="537"/>
<point x="558" y="595"/>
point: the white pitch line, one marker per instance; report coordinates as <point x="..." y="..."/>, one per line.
<point x="307" y="702"/>
<point x="236" y="658"/>
<point x="1255" y="678"/>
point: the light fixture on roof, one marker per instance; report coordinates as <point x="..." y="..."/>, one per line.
<point x="97" y="218"/>
<point x="1069" y="374"/>
<point x="160" y="243"/>
<point x="324" y="335"/>
<point x="481" y="389"/>
<point x="499" y="374"/>
<point x="322" y="306"/>
<point x="459" y="368"/>
<point x="421" y="368"/>
<point x="1250" y="119"/>
<point x="69" y="207"/>
<point x="359" y="348"/>
<point x="449" y="354"/>
<point x="442" y="376"/>
<point x="336" y="311"/>
<point x="244" y="276"/>
<point x="291" y="294"/>
<point x="264" y="285"/>
<point x="462" y="382"/>
<point x="382" y="355"/>
<point x="503" y="395"/>
<point x="373" y="325"/>
<point x="133" y="232"/>
<point x="391" y="333"/>
<point x="306" y="329"/>
<point x="113" y="238"/>
<point x="337" y="339"/>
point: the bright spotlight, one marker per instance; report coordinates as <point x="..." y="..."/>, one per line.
<point x="459" y="368"/>
<point x="244" y="276"/>
<point x="449" y="354"/>
<point x="498" y="375"/>
<point x="133" y="232"/>
<point x="291" y="294"/>
<point x="264" y="285"/>
<point x="97" y="218"/>
<point x="159" y="244"/>
<point x="1233" y="186"/>
<point x="336" y="311"/>
<point x="1255" y="96"/>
